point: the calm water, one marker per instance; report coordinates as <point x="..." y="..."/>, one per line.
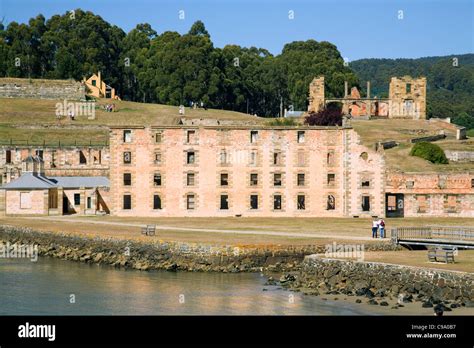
<point x="44" y="288"/>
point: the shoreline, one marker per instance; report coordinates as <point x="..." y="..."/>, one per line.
<point x="300" y="272"/>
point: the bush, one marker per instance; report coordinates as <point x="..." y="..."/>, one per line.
<point x="470" y="133"/>
<point x="283" y="122"/>
<point x="330" y="116"/>
<point x="430" y="152"/>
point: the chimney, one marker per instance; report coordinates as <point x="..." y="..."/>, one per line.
<point x="368" y="89"/>
<point x="346" y="87"/>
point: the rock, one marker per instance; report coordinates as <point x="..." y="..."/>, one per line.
<point x="404" y="298"/>
<point x="469" y="304"/>
<point x="454" y="305"/>
<point x="287" y="278"/>
<point x="358" y="300"/>
<point x="394" y="307"/>
<point x="384" y="303"/>
<point x="270" y="281"/>
<point x="427" y="304"/>
<point x="372" y="302"/>
<point x="172" y="268"/>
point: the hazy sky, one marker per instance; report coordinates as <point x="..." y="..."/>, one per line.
<point x="359" y="28"/>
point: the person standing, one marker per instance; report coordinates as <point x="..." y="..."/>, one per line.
<point x="375" y="228"/>
<point x="382" y="228"/>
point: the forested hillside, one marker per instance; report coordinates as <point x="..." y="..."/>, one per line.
<point x="170" y="68"/>
<point x="450" y="89"/>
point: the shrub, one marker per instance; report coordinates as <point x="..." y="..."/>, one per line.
<point x="430" y="152"/>
<point x="470" y="133"/>
<point x="283" y="122"/>
<point x="329" y="116"/>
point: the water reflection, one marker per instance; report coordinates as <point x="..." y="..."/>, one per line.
<point x="45" y="287"/>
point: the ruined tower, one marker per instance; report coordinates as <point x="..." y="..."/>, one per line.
<point x="407" y="97"/>
<point x="316" y="94"/>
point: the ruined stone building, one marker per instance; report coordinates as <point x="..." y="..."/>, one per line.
<point x="57" y="160"/>
<point x="407" y="99"/>
<point x="243" y="171"/>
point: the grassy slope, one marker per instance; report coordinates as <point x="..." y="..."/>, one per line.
<point x="404" y="130"/>
<point x="17" y="116"/>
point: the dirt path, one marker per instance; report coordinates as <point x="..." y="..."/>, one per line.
<point x="205" y="230"/>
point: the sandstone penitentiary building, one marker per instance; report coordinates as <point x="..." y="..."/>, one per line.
<point x="219" y="169"/>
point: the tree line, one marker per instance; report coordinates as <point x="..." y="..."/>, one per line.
<point x="170" y="68"/>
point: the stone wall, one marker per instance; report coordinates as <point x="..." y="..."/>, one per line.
<point x="41" y="89"/>
<point x="155" y="254"/>
<point x="358" y="278"/>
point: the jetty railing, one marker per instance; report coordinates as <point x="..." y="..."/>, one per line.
<point x="445" y="233"/>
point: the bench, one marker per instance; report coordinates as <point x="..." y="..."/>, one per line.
<point x="149" y="230"/>
<point x="438" y="254"/>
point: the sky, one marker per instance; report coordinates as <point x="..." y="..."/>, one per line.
<point x="359" y="28"/>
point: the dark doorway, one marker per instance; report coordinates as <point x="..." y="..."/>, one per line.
<point x="66" y="205"/>
<point x="394" y="205"/>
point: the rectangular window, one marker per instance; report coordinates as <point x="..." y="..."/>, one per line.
<point x="408" y="88"/>
<point x="157" y="179"/>
<point x="253" y="157"/>
<point x="224" y="179"/>
<point x="365" y="183"/>
<point x="254" y="202"/>
<point x="392" y="203"/>
<point x="300" y="179"/>
<point x="190" y="157"/>
<point x="301" y="159"/>
<point x="224" y="202"/>
<point x="190" y="179"/>
<point x="330" y="158"/>
<point x="82" y="158"/>
<point x="158" y="137"/>
<point x="223" y="157"/>
<point x="472" y="183"/>
<point x="157" y="157"/>
<point x="25" y="200"/>
<point x="39" y="153"/>
<point x="53" y="159"/>
<point x="331" y="179"/>
<point x="452" y="202"/>
<point x="300" y="202"/>
<point x="127" y="157"/>
<point x="253" y="136"/>
<point x="277" y="158"/>
<point x="156" y="202"/>
<point x="127" y="202"/>
<point x="190" y="136"/>
<point x="422" y="204"/>
<point x="127" y="136"/>
<point x="9" y="156"/>
<point x="253" y="179"/>
<point x="277" y="202"/>
<point x="89" y="202"/>
<point x="127" y="179"/>
<point x="277" y="179"/>
<point x="77" y="199"/>
<point x="190" y="202"/>
<point x="331" y="203"/>
<point x="94" y="82"/>
<point x="300" y="137"/>
<point x="365" y="203"/>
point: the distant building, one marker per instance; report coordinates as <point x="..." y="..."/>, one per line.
<point x="33" y="193"/>
<point x="407" y="99"/>
<point x="98" y="88"/>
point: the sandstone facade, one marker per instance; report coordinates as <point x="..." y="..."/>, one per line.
<point x="244" y="171"/>
<point x="41" y="89"/>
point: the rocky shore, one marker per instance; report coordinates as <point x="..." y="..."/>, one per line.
<point x="381" y="284"/>
<point x="172" y="256"/>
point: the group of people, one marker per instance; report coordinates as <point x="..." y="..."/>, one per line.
<point x="376" y="225"/>
<point x="110" y="108"/>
